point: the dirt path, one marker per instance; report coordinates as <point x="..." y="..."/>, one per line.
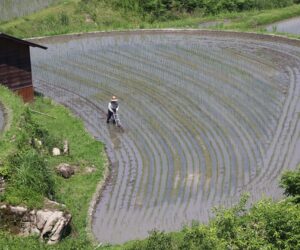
<point x="207" y="116"/>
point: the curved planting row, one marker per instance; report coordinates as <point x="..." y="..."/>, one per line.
<point x="206" y="117"/>
<point x="14" y="8"/>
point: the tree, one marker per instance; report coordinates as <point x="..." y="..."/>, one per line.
<point x="290" y="181"/>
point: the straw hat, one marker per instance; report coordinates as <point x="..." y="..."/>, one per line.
<point x="114" y="99"/>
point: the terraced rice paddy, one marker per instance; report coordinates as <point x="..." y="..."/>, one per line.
<point x="206" y="116"/>
<point x="287" y="26"/>
<point x="10" y="9"/>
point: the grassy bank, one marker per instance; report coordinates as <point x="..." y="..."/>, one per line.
<point x="76" y="193"/>
<point x="73" y="16"/>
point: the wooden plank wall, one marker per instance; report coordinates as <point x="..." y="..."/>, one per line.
<point x="15" y="67"/>
<point x="26" y="93"/>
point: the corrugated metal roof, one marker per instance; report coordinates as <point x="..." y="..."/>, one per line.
<point x="2" y="35"/>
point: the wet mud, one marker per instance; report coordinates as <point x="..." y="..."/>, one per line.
<point x="291" y="26"/>
<point x="207" y="116"/>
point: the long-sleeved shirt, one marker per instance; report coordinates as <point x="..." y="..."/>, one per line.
<point x="112" y="106"/>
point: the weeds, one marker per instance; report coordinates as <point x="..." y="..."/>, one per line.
<point x="29" y="167"/>
<point x="78" y="16"/>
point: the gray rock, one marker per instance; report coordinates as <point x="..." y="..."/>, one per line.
<point x="18" y="210"/>
<point x="51" y="221"/>
<point x="54" y="226"/>
<point x="56" y="152"/>
<point x="41" y="218"/>
<point x="65" y="170"/>
<point x="48" y="225"/>
<point x="66" y="150"/>
<point x="3" y="207"/>
<point x="58" y="229"/>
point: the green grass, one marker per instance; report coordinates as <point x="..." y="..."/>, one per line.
<point x="256" y="21"/>
<point x="13" y="109"/>
<point x="76" y="193"/>
<point x="266" y="225"/>
<point x="72" y="16"/>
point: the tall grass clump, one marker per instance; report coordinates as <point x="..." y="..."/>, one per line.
<point x="29" y="176"/>
<point x="266" y="225"/>
<point x="168" y="9"/>
<point x="30" y="180"/>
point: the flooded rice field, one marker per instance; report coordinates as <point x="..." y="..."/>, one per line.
<point x="206" y="117"/>
<point x="15" y="8"/>
<point x="287" y="26"/>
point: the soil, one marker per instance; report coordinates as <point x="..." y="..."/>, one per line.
<point x="206" y="117"/>
<point x="287" y="26"/>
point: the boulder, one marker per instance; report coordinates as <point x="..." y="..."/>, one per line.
<point x="55" y="226"/>
<point x="18" y="210"/>
<point x="41" y="218"/>
<point x="48" y="225"/>
<point x="65" y="170"/>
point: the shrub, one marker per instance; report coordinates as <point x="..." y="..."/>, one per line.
<point x="290" y="181"/>
<point x="30" y="178"/>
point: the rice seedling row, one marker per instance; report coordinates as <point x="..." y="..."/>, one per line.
<point x="15" y="8"/>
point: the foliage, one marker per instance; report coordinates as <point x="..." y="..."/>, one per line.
<point x="92" y="15"/>
<point x="156" y="241"/>
<point x="10" y="103"/>
<point x="290" y="181"/>
<point x="266" y="225"/>
<point x="164" y="9"/>
<point x="30" y="168"/>
<point x="29" y="177"/>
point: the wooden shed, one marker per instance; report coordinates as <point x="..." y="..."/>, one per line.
<point x="15" y="65"/>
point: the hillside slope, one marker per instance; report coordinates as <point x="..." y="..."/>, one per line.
<point x="73" y="16"/>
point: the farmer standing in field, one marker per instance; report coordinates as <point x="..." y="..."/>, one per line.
<point x="113" y="107"/>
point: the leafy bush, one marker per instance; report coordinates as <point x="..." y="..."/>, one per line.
<point x="30" y="179"/>
<point x="290" y="181"/>
<point x="266" y="225"/>
<point x="28" y="175"/>
<point x="162" y="9"/>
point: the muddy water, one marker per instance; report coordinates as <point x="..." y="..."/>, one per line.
<point x="206" y="117"/>
<point x="288" y="26"/>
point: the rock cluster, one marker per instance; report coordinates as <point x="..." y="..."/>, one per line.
<point x="65" y="170"/>
<point x="50" y="225"/>
<point x="66" y="149"/>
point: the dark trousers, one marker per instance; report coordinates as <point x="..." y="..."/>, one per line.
<point x="109" y="115"/>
